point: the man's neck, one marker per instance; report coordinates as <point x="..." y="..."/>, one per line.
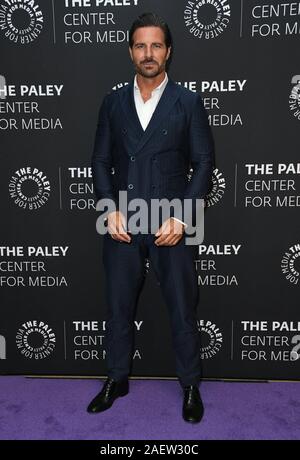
<point x="149" y="84"/>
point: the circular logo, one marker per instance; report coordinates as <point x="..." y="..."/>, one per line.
<point x="29" y="188"/>
<point x="21" y="21"/>
<point x="217" y="189"/>
<point x="211" y="339"/>
<point x="35" y="339"/>
<point x="294" y="98"/>
<point x="206" y="18"/>
<point x="288" y="264"/>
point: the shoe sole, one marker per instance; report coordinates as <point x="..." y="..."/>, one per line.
<point x="121" y="394"/>
<point x="191" y="421"/>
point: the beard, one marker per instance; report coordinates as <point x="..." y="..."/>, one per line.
<point x="149" y="72"/>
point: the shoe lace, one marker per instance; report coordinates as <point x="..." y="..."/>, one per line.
<point x="189" y="393"/>
<point x="108" y="385"/>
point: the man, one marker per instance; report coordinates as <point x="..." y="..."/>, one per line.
<point x="151" y="132"/>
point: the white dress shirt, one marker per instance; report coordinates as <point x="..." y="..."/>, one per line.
<point x="145" y="109"/>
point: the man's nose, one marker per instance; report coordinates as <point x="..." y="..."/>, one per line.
<point x="148" y="52"/>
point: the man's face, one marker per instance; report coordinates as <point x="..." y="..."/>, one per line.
<point x="149" y="52"/>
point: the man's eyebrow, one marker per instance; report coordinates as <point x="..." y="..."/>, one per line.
<point x="153" y="43"/>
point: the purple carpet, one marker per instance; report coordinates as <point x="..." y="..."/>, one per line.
<point x="38" y="408"/>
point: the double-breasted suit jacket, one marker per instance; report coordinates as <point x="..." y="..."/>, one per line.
<point x="153" y="163"/>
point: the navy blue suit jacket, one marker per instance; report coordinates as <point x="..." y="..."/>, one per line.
<point x="153" y="163"/>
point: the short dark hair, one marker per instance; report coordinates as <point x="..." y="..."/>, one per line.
<point x="151" y="20"/>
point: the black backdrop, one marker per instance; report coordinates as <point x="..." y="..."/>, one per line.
<point x="58" y="59"/>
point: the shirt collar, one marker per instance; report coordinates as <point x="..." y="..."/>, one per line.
<point x="160" y="86"/>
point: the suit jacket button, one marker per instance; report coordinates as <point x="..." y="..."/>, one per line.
<point x="132" y="158"/>
<point x="130" y="186"/>
<point x="165" y="131"/>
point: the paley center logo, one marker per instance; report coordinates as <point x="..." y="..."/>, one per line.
<point x="217" y="190"/>
<point x="211" y="339"/>
<point x="35" y="339"/>
<point x="207" y="18"/>
<point x="29" y="188"/>
<point x="21" y="21"/>
<point x="288" y="264"/>
<point x="218" y="187"/>
<point x="294" y="97"/>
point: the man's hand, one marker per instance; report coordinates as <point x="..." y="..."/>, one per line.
<point x="116" y="225"/>
<point x="170" y="232"/>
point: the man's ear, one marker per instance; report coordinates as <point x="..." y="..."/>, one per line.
<point x="169" y="52"/>
<point x="130" y="52"/>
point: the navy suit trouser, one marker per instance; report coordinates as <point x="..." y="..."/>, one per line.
<point x="124" y="265"/>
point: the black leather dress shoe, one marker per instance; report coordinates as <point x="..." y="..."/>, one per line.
<point x="192" y="410"/>
<point x="111" y="390"/>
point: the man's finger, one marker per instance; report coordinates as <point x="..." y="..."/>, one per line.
<point x="121" y="236"/>
<point x="164" y="239"/>
<point x="111" y="229"/>
<point x="124" y="237"/>
<point x="171" y="242"/>
<point x="122" y="232"/>
<point x="158" y="233"/>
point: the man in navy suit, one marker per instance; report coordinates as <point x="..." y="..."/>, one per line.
<point x="151" y="132"/>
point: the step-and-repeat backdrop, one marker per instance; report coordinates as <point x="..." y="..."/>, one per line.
<point x="58" y="59"/>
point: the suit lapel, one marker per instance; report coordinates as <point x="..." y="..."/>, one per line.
<point x="128" y="106"/>
<point x="165" y="104"/>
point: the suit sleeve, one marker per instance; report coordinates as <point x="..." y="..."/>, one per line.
<point x="102" y="156"/>
<point x="201" y="151"/>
